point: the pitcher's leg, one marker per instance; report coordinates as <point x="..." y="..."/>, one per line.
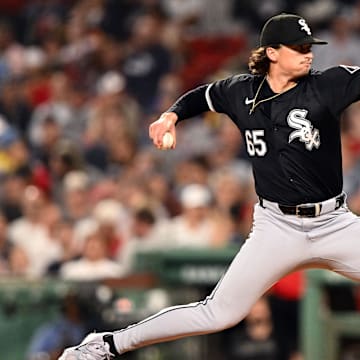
<point x="340" y="245"/>
<point x="267" y="255"/>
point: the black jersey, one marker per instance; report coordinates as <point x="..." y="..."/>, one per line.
<point x="293" y="138"/>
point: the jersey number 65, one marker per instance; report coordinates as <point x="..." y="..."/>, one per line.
<point x="255" y="143"/>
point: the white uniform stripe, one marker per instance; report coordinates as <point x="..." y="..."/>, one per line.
<point x="208" y="99"/>
<point x="172" y="308"/>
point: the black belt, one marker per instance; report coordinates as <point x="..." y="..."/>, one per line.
<point x="307" y="210"/>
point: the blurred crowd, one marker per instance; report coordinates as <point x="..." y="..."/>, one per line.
<point x="82" y="190"/>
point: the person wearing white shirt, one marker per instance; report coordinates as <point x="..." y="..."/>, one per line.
<point x="94" y="264"/>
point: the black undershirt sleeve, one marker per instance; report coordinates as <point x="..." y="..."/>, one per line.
<point x="190" y="104"/>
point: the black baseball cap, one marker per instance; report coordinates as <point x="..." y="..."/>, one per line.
<point x="287" y="29"/>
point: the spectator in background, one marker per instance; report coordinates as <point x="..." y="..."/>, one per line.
<point x="117" y="17"/>
<point x="231" y="142"/>
<point x="202" y="17"/>
<point x="42" y="18"/>
<point x="106" y="59"/>
<point x="229" y="149"/>
<point x="49" y="340"/>
<point x="113" y="118"/>
<point x="198" y="226"/>
<point x="160" y="189"/>
<point x="255" y="340"/>
<point x="122" y="148"/>
<point x="135" y="192"/>
<point x="89" y="209"/>
<point x="343" y="47"/>
<point x="111" y="99"/>
<point x="187" y="12"/>
<point x="67" y="156"/>
<point x="36" y="82"/>
<point x="145" y="163"/>
<point x="62" y="108"/>
<point x="143" y="224"/>
<point x="80" y="39"/>
<point x="170" y="88"/>
<point x="109" y="214"/>
<point x="14" y="106"/>
<point x="253" y="13"/>
<point x="63" y="234"/>
<point x="12" y="190"/>
<point x="132" y="191"/>
<point x="149" y="233"/>
<point x="145" y="232"/>
<point x="234" y="198"/>
<point x="11" y="62"/>
<point x="146" y="61"/>
<point x="32" y="231"/>
<point x="75" y="192"/>
<point x="194" y="170"/>
<point x="50" y="133"/>
<point x="93" y="265"/>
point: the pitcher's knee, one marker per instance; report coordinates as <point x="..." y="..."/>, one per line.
<point x="225" y="317"/>
<point x="222" y="322"/>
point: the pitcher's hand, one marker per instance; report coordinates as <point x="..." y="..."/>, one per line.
<point x="165" y="123"/>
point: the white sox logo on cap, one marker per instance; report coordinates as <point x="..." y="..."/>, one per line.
<point x="304" y="26"/>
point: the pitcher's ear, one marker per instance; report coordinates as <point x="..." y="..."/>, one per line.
<point x="271" y="53"/>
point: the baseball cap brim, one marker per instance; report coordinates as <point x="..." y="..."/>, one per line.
<point x="308" y="40"/>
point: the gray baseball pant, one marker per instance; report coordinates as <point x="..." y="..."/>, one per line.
<point x="277" y="245"/>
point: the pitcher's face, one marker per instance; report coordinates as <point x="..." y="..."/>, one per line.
<point x="294" y="60"/>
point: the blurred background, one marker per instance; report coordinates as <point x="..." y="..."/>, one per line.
<point x="98" y="228"/>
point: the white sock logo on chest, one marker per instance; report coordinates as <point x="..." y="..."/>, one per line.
<point x="304" y="129"/>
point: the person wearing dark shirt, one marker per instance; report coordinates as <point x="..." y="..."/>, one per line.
<point x="146" y="62"/>
<point x="255" y="339"/>
<point x="289" y="116"/>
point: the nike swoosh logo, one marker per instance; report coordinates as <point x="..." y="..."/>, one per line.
<point x="248" y="101"/>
